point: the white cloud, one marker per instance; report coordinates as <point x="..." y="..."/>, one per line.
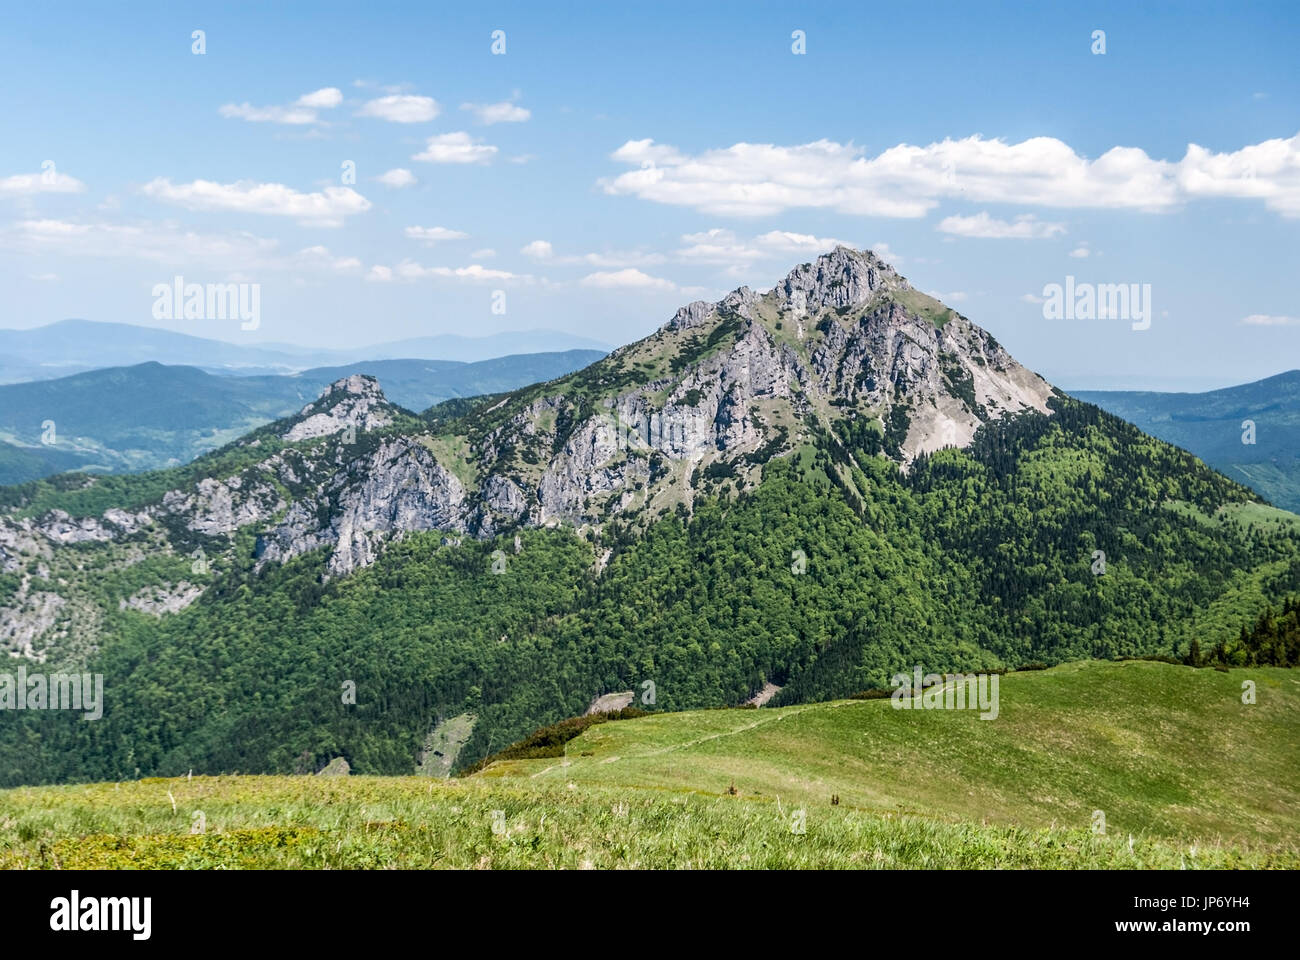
<point x="748" y="179"/>
<point x="397" y="177"/>
<point x="1081" y="252"/>
<point x="629" y="279"/>
<point x="326" y="98"/>
<point x="523" y="158"/>
<point x="320" y="258"/>
<point x="1269" y="320"/>
<point x="783" y="241"/>
<point x="401" y="108"/>
<point x="410" y="270"/>
<point x="723" y="247"/>
<point x="1269" y="171"/>
<point x="1030" y="298"/>
<point x="48" y="181"/>
<point x="1024" y="227"/>
<point x="717" y="246"/>
<point x="456" y="148"/>
<point x="618" y="258"/>
<point x="326" y="208"/>
<point x="503" y="112"/>
<point x="301" y="111"/>
<point x="542" y="250"/>
<point x="483" y="254"/>
<point x="434" y="234"/>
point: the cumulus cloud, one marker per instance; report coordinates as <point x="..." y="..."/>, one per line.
<point x="629" y="279"/>
<point x="401" y="108"/>
<point x="503" y="112"/>
<point x="325" y="208"/>
<point x="1081" y="252"/>
<point x="538" y="250"/>
<point x="324" y="98"/>
<point x="457" y="147"/>
<point x="1024" y="227"/>
<point x="1268" y="171"/>
<point x="434" y="234"/>
<point x="47" y="181"/>
<point x="756" y="179"/>
<point x="304" y="110"/>
<point x="397" y="177"/>
<point x="723" y="247"/>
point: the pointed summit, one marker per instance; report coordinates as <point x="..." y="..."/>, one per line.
<point x="842" y="278"/>
<point x="355" y="401"/>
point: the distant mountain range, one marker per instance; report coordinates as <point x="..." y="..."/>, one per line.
<point x="150" y="415"/>
<point x="76" y="346"/>
<point x="1213" y="426"/>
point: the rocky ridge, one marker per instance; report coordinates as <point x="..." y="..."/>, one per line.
<point x="715" y="393"/>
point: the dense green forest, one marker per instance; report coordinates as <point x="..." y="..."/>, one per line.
<point x="1274" y="641"/>
<point x="982" y="558"/>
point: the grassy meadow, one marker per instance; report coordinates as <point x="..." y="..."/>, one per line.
<point x="1186" y="775"/>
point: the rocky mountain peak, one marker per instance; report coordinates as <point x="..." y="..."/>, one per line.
<point x="355" y="401"/>
<point x="842" y="278"/>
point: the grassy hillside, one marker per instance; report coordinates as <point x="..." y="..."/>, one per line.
<point x="1195" y="778"/>
<point x="1161" y="749"/>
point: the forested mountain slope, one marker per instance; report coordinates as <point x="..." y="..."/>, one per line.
<point x="814" y="487"/>
<point x="1250" y="432"/>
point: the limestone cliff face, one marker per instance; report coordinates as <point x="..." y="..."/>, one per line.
<point x="839" y="338"/>
<point x="716" y="392"/>
<point x="397" y="488"/>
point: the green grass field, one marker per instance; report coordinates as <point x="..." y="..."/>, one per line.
<point x="1186" y="775"/>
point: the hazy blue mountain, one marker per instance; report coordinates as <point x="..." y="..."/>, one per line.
<point x="152" y="415"/>
<point x="76" y="346"/>
<point x="1210" y="425"/>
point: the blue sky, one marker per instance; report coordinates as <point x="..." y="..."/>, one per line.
<point x="615" y="163"/>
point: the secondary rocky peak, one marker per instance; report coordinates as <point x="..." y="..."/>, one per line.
<point x="357" y="385"/>
<point x="355" y="401"/>
<point x="842" y="278"/>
